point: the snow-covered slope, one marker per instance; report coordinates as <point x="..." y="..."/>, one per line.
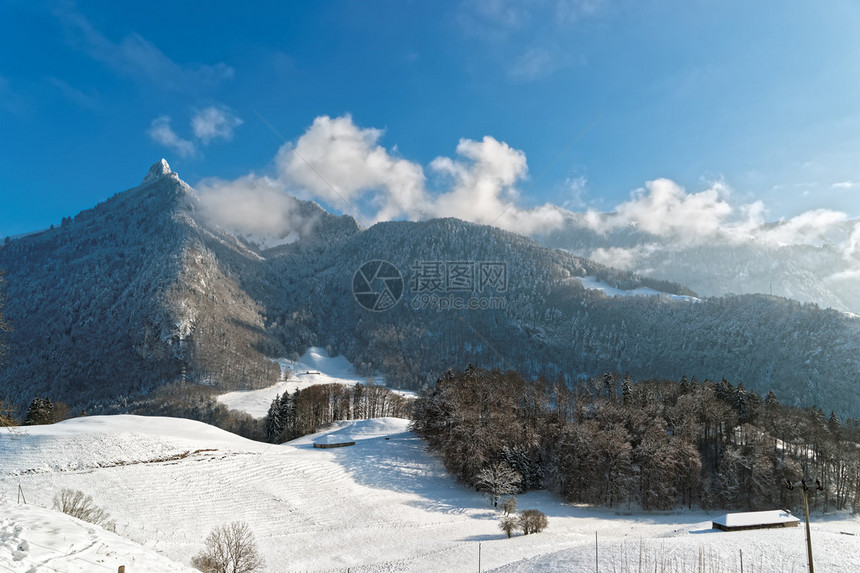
<point x="34" y="539"/>
<point x="593" y="283"/>
<point x="314" y="367"/>
<point x="381" y="505"/>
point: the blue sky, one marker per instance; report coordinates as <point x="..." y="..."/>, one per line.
<point x="577" y="103"/>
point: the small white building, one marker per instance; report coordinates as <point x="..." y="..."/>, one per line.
<point x="333" y="441"/>
<point x="756" y="520"/>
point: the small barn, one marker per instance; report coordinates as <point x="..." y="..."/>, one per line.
<point x="333" y="441"/>
<point x="756" y="520"/>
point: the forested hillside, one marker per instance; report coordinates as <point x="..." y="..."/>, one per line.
<point x="144" y="290"/>
<point x="657" y="444"/>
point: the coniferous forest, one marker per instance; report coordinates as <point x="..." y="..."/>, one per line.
<point x="306" y="411"/>
<point x="657" y="445"/>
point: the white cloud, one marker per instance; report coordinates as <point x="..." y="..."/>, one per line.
<point x="136" y="57"/>
<point x="254" y="207"/>
<point x="576" y="193"/>
<point x="492" y="20"/>
<point x="74" y="95"/>
<point x="483" y="184"/>
<point x="161" y="132"/>
<point x="340" y="163"/>
<point x="572" y="11"/>
<point x="207" y="125"/>
<point x="623" y="258"/>
<point x="844" y="185"/>
<point x="483" y="188"/>
<point x="344" y="165"/>
<point x="811" y="228"/>
<point x="663" y="208"/>
<point x="214" y="123"/>
<point x="852" y="246"/>
<point x="535" y="64"/>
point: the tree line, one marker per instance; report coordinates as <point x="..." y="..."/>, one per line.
<point x="305" y="411"/>
<point x="659" y="444"/>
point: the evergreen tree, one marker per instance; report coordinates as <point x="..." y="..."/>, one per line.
<point x="771" y="400"/>
<point x="274" y="421"/>
<point x="626" y="388"/>
<point x="41" y="411"/>
<point x="835" y="426"/>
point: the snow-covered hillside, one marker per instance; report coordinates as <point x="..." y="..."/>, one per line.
<point x="34" y="539"/>
<point x="593" y="283"/>
<point x="314" y="367"/>
<point x="381" y="505"/>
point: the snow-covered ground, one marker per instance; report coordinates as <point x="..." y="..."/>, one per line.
<point x="381" y="505"/>
<point x="592" y="283"/>
<point x="36" y="539"/>
<point x="314" y="367"/>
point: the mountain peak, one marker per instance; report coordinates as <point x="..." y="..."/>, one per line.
<point x="157" y="171"/>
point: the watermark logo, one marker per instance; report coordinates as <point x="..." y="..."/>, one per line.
<point x="434" y="285"/>
<point x="377" y="285"/>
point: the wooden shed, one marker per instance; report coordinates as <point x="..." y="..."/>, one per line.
<point x="333" y="441"/>
<point x="756" y="520"/>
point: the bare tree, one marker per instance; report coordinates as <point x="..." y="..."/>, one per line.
<point x="509" y="506"/>
<point x="229" y="549"/>
<point x="509" y="524"/>
<point x="6" y="415"/>
<point x="532" y="521"/>
<point x="498" y="479"/>
<point x="76" y="503"/>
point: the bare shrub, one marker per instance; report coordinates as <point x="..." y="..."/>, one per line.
<point x="532" y="521"/>
<point x="229" y="549"/>
<point x="7" y="417"/>
<point x="76" y="503"/>
<point x="509" y="506"/>
<point x="509" y="524"/>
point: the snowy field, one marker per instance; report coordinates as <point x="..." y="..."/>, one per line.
<point x="593" y="283"/>
<point x="314" y="367"/>
<point x="381" y="505"/>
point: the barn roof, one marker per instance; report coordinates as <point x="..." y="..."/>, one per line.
<point x="756" y="518"/>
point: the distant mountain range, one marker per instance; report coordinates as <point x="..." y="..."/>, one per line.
<point x="142" y="290"/>
<point x="823" y="269"/>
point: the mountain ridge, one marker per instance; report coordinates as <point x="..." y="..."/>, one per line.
<point x="144" y="290"/>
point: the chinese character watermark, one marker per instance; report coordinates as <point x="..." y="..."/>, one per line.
<point x="434" y="285"/>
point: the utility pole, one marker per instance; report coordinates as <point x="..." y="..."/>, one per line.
<point x="805" y="488"/>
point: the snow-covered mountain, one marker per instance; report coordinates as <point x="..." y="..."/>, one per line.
<point x="799" y="260"/>
<point x="147" y="289"/>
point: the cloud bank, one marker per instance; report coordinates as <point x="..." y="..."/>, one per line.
<point x="344" y="166"/>
<point x="254" y="207"/>
<point x="347" y="168"/>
